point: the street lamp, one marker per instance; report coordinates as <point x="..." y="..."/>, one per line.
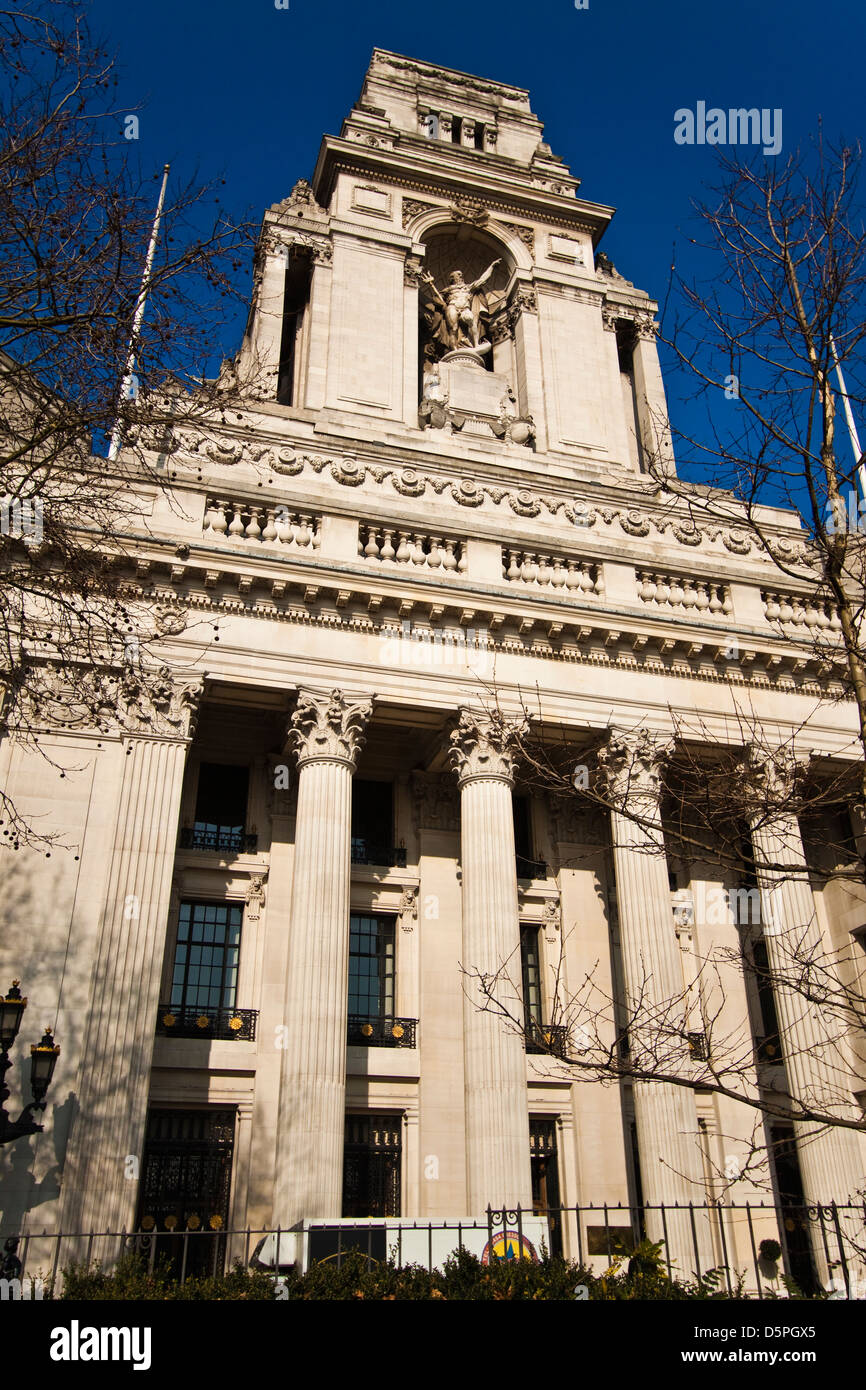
<point x="43" y="1059"/>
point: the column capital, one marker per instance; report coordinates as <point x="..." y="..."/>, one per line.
<point x="329" y="728"/>
<point x="482" y="746"/>
<point x="771" y="777"/>
<point x="630" y="764"/>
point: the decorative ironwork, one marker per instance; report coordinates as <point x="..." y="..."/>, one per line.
<point x="218" y="839"/>
<point x="371" y="1165"/>
<point x="381" y="1032"/>
<point x="185" y="1187"/>
<point x="196" y="1022"/>
<point x="547" y="1037"/>
<point x="769" y="1050"/>
<point x="388" y="856"/>
<point x="698" y="1046"/>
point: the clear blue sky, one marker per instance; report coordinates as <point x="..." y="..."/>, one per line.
<point x="241" y="88"/>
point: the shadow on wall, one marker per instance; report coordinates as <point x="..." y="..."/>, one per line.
<point x="36" y="953"/>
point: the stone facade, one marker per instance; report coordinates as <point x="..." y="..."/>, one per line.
<point x="389" y="527"/>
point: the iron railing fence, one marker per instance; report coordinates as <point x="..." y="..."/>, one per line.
<point x="595" y="1230"/>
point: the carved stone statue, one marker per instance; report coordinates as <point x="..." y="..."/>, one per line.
<point x="455" y="315"/>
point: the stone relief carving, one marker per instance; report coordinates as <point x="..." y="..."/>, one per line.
<point x="470" y="210"/>
<point x="255" y="897"/>
<point x="169" y="619"/>
<point x="435" y="801"/>
<point x="526" y="234"/>
<point x="412" y="208"/>
<point x="408" y="909"/>
<point x="551" y="918"/>
<point x="485" y="745"/>
<point x="329" y="727"/>
<point x="350" y="472"/>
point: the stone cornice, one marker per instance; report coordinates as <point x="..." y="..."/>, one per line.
<point x="533" y="202"/>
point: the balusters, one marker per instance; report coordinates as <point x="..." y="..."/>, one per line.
<point x="281" y="527"/>
<point x="701" y="596"/>
<point x="546" y="571"/>
<point x="414" y="548"/>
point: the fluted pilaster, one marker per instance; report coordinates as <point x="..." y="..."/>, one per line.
<point x="327" y="732"/>
<point x="665" y="1116"/>
<point x="119" y="1039"/>
<point x="497" y="1120"/>
<point x="832" y="1159"/>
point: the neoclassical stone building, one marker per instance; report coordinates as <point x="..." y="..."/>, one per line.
<point x="431" y="499"/>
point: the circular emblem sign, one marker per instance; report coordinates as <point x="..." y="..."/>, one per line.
<point x="508" y="1245"/>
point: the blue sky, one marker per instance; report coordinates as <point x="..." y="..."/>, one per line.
<point x="241" y="88"/>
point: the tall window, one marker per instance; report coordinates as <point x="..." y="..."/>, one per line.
<point x="185" y="1186"/>
<point x="220" y="807"/>
<point x="371" y="1165"/>
<point x="206" y="956"/>
<point x="531" y="968"/>
<point x="545" y="1176"/>
<point x="371" y="967"/>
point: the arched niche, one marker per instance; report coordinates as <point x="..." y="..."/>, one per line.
<point x="451" y="246"/>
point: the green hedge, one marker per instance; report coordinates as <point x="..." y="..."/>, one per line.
<point x="640" y="1276"/>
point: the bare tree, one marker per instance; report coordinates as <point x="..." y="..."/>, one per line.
<point x="75" y="220"/>
<point x="784" y="311"/>
<point x="785" y="307"/>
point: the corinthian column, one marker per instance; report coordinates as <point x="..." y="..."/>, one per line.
<point x="106" y="1141"/>
<point x="497" y="1118"/>
<point x="832" y="1159"/>
<point x="671" y="1165"/>
<point x="327" y="732"/>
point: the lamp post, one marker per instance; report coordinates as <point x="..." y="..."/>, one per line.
<point x="43" y="1059"/>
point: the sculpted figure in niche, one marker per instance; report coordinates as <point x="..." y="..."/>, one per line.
<point x="455" y="315"/>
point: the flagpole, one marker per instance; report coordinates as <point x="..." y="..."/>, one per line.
<point x="849" y="417"/>
<point x="117" y="432"/>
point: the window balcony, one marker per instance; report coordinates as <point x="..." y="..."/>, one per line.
<point x="699" y="1049"/>
<point x="189" y="1021"/>
<point x="384" y="856"/>
<point x="217" y="839"/>
<point x="769" y="1050"/>
<point x="549" y="1038"/>
<point x="381" y="1032"/>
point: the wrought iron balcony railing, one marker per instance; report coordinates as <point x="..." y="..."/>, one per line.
<point x="193" y="1022"/>
<point x="225" y="839"/>
<point x="698" y="1046"/>
<point x="381" y="1032"/>
<point x="530" y="868"/>
<point x="389" y="856"/>
<point x="551" y="1038"/>
<point x="769" y="1050"/>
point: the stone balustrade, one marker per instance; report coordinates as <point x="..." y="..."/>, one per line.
<point x="546" y="571"/>
<point x="801" y="610"/>
<point x="390" y="545"/>
<point x="698" y="597"/>
<point x="243" y="521"/>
